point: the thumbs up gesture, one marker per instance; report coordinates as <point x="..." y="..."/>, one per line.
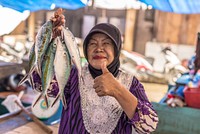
<point x="105" y="84"/>
<point x="104" y="68"/>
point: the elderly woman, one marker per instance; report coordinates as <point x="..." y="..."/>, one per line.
<point x="109" y="100"/>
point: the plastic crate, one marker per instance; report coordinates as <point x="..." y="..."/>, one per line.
<point x="192" y="97"/>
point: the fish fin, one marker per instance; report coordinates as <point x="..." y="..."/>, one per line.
<point x="46" y="100"/>
<point x="56" y="99"/>
<point x="64" y="102"/>
<point x="73" y="61"/>
<point x="27" y="76"/>
<point x="24" y="79"/>
<point x="62" y="34"/>
<point x="77" y="67"/>
<point x="37" y="99"/>
<point x="31" y="82"/>
<point x="39" y="70"/>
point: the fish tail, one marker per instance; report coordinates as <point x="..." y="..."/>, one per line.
<point x="37" y="99"/>
<point x="32" y="82"/>
<point x="62" y="99"/>
<point x="64" y="102"/>
<point x="26" y="77"/>
<point x="56" y="99"/>
<point x="77" y="66"/>
<point x="46" y="100"/>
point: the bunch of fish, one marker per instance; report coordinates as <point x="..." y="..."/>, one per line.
<point x="51" y="60"/>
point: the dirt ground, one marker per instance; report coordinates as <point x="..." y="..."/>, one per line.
<point x="155" y="92"/>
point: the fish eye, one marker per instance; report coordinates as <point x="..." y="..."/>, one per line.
<point x="54" y="46"/>
<point x="65" y="53"/>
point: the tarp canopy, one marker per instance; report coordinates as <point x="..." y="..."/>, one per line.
<point x="117" y="4"/>
<point x="175" y="6"/>
<point x="12" y="12"/>
<point x="35" y="5"/>
<point x="10" y="19"/>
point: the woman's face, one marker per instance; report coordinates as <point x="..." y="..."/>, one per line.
<point x="100" y="49"/>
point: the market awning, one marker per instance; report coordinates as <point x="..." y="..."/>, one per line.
<point x="35" y="5"/>
<point x="175" y="6"/>
<point x="10" y="19"/>
<point x="12" y="12"/>
<point x="117" y="4"/>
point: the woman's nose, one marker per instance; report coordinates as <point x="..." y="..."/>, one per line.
<point x="99" y="48"/>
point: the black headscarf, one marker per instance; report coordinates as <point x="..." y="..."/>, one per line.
<point x="114" y="34"/>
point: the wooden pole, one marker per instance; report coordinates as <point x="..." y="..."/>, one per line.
<point x="129" y="29"/>
<point x="35" y="119"/>
<point x="31" y="25"/>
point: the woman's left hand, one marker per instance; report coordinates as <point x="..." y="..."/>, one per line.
<point x="106" y="84"/>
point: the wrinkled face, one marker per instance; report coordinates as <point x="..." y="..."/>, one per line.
<point x="99" y="50"/>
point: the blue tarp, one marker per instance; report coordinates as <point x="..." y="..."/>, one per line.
<point x="175" y="6"/>
<point x="35" y="5"/>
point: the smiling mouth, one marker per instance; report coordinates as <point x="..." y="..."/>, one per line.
<point x="99" y="57"/>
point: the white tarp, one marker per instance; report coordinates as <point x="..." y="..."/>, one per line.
<point x="10" y="19"/>
<point x="117" y="4"/>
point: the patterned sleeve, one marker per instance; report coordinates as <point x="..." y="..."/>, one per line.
<point x="145" y="119"/>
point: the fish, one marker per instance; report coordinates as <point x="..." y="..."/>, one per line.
<point x="35" y="83"/>
<point x="73" y="49"/>
<point x="47" y="68"/>
<point x="32" y="77"/>
<point x="31" y="56"/>
<point x="62" y="66"/>
<point x="53" y="58"/>
<point x="37" y="52"/>
<point x="43" y="38"/>
<point x="28" y="77"/>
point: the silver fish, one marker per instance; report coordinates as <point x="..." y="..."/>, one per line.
<point x="31" y="62"/>
<point x="37" y="51"/>
<point x="73" y="49"/>
<point x="31" y="56"/>
<point x="36" y="81"/>
<point x="47" y="69"/>
<point x="43" y="38"/>
<point x="62" y="65"/>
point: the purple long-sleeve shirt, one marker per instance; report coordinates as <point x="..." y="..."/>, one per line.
<point x="145" y="119"/>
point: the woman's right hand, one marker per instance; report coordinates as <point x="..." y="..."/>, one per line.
<point x="58" y="20"/>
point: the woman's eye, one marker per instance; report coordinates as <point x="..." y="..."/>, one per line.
<point x="106" y="43"/>
<point x="92" y="44"/>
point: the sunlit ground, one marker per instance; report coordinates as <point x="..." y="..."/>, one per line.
<point x="155" y="92"/>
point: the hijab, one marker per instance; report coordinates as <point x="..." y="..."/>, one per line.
<point x="114" y="34"/>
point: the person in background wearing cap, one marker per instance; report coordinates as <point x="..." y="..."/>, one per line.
<point x="109" y="100"/>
